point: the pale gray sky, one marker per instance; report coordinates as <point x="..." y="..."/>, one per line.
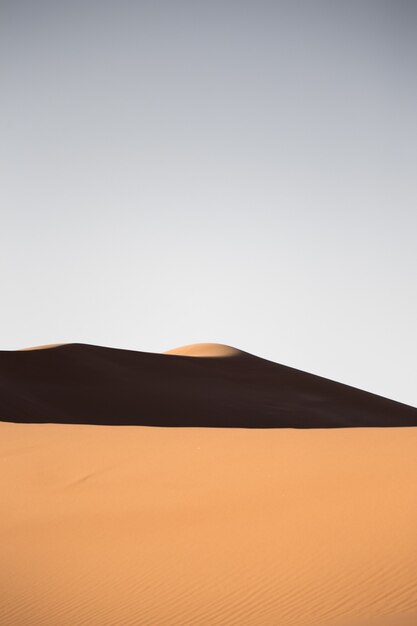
<point x="238" y="172"/>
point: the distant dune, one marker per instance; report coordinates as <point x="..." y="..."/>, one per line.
<point x="206" y="350"/>
<point x="122" y="525"/>
<point x="45" y="347"/>
<point x="199" y="385"/>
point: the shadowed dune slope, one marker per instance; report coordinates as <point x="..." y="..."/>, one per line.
<point x="201" y="385"/>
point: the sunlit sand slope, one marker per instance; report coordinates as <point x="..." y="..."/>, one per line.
<point x="110" y="526"/>
<point x="206" y="350"/>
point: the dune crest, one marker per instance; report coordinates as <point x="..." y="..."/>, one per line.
<point x="205" y="350"/>
<point x="47" y="346"/>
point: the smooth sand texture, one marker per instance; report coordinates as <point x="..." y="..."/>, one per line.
<point x="205" y="350"/>
<point x="146" y="526"/>
<point x="111" y="526"/>
<point x="47" y="346"/>
<point x="193" y="349"/>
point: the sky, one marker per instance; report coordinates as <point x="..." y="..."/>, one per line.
<point x="244" y="172"/>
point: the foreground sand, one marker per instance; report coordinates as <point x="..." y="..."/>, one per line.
<point x="115" y="526"/>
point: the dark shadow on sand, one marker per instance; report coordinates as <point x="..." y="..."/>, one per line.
<point x="84" y="384"/>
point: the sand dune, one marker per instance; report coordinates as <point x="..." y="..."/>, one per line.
<point x="103" y="526"/>
<point x="201" y="385"/>
<point x="47" y="346"/>
<point x="206" y="350"/>
<point x="137" y="526"/>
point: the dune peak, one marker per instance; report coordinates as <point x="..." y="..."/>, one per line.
<point x="43" y="347"/>
<point x="205" y="350"/>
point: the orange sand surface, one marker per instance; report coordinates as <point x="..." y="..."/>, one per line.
<point x="119" y="526"/>
<point x="205" y="350"/>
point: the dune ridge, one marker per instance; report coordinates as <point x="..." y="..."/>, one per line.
<point x="206" y="385"/>
<point x="46" y="346"/>
<point x="215" y="350"/>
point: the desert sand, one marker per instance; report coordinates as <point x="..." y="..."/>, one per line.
<point x="107" y="525"/>
<point x="135" y="525"/>
<point x="206" y="350"/>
